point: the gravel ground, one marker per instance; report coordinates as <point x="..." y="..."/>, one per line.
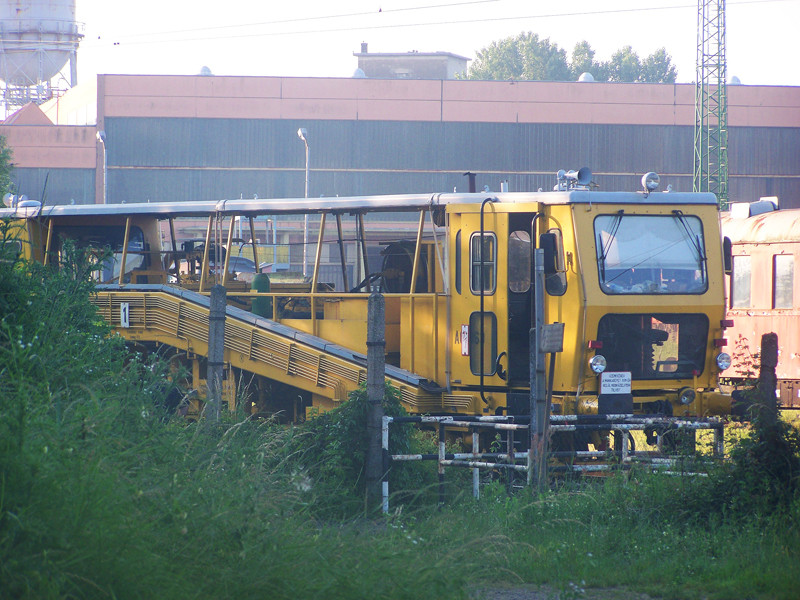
<point x="539" y="592"/>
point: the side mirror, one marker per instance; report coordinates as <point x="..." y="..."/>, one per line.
<point x="548" y="243"/>
<point x="727" y="255"/>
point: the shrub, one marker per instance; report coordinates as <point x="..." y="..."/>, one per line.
<point x="330" y="449"/>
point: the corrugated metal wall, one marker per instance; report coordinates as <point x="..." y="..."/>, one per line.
<point x="55" y="186"/>
<point x="210" y="159"/>
<point x="183" y="159"/>
<point x="763" y="161"/>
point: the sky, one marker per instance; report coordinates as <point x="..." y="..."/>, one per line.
<point x="317" y="38"/>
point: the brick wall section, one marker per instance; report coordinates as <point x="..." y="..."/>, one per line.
<point x="425" y="100"/>
<point x="768" y="117"/>
<point x="42" y="146"/>
<point x="388" y="100"/>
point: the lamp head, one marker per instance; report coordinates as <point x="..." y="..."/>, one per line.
<point x="650" y="182"/>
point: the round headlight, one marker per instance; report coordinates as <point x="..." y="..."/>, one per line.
<point x="723" y="361"/>
<point x="687" y="396"/>
<point x="597" y="363"/>
<point x="650" y="181"/>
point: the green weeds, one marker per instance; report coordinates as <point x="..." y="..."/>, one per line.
<point x="103" y="496"/>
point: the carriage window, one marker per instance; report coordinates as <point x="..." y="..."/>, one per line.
<point x="486" y="251"/>
<point x="740" y="294"/>
<point x="519" y="262"/>
<point x="782" y="281"/>
<point x="457" y="273"/>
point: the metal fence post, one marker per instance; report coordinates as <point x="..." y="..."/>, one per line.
<point x="386" y="459"/>
<point x="216" y="352"/>
<point x="441" y="464"/>
<point x="476" y="472"/>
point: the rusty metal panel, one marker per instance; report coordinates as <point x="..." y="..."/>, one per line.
<point x="762" y="238"/>
<point x="789" y="393"/>
<point x="745" y="339"/>
<point x="780" y="227"/>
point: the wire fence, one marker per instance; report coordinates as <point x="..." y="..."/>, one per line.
<point x="518" y="457"/>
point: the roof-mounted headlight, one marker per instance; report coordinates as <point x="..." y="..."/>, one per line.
<point x="650" y="182"/>
<point x="723" y="361"/>
<point x="597" y="363"/>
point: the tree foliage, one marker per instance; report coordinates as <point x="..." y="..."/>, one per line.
<point x="658" y="67"/>
<point x="583" y="59"/>
<point x="6" y="166"/>
<point x="522" y="57"/>
<point x="527" y="57"/>
<point x="624" y="65"/>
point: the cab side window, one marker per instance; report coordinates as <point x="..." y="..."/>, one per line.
<point x="11" y="249"/>
<point x="457" y="274"/>
<point x="556" y="283"/>
<point x="483" y="253"/>
<point x="519" y="262"/>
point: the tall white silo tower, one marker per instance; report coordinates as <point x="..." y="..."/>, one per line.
<point x="37" y="40"/>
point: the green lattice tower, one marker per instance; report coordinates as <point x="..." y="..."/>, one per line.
<point x="711" y="103"/>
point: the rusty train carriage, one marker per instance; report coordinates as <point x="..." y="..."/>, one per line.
<point x="764" y="293"/>
<point x="635" y="277"/>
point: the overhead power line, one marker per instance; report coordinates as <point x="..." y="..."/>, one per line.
<point x="318" y="18"/>
<point x="385" y="26"/>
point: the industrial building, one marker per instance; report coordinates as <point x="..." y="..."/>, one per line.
<point x="405" y="122"/>
<point x="174" y="138"/>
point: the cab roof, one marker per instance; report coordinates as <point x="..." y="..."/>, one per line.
<point x="353" y="204"/>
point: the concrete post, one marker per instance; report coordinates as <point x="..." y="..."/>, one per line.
<point x="376" y="377"/>
<point x="537" y="475"/>
<point x="767" y="379"/>
<point x="216" y="352"/>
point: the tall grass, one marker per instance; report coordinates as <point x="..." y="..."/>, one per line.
<point x="102" y="495"/>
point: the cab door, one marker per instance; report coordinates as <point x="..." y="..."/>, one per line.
<point x="492" y="300"/>
<point x="479" y="301"/>
<point x="520" y="298"/>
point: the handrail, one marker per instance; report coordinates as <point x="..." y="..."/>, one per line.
<point x="482" y="285"/>
<point x="108" y="304"/>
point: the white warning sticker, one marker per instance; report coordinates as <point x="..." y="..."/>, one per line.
<point x="615" y="382"/>
<point x="125" y="314"/>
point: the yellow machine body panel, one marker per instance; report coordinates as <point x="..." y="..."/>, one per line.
<point x="634" y="278"/>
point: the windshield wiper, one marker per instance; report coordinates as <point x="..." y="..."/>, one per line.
<point x="612" y="234"/>
<point x="694" y="240"/>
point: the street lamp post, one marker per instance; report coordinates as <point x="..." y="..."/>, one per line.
<point x="302" y="133"/>
<point x="101" y="137"/>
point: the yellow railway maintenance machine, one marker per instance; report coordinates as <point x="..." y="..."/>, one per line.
<point x="636" y="278"/>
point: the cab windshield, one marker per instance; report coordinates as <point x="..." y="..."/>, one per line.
<point x="100" y="237"/>
<point x="651" y="254"/>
